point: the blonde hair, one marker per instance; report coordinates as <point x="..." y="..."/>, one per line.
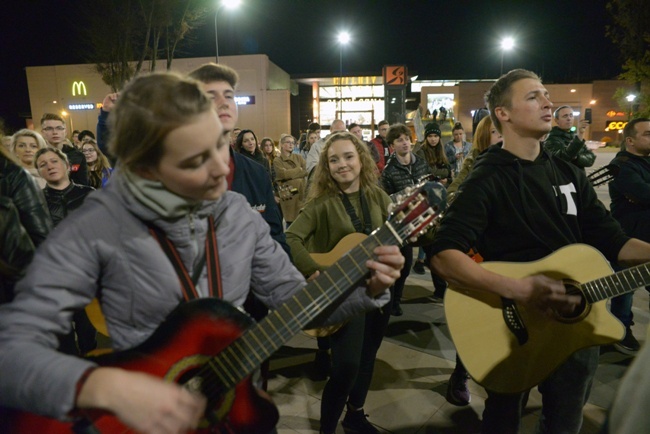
<point x="324" y="184"/>
<point x="150" y="107"/>
<point x="482" y="136"/>
<point x="284" y="136"/>
<point x="25" y="132"/>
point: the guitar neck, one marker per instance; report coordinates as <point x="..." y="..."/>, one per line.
<point x="619" y="283"/>
<point x="261" y="340"/>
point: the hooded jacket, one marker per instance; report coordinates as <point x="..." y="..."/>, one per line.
<point x="567" y="146"/>
<point x="519" y="210"/>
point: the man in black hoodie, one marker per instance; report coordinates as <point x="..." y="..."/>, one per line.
<point x="521" y="204"/>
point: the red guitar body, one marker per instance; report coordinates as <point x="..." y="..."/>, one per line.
<point x="180" y="347"/>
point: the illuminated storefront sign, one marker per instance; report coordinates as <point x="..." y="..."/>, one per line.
<point x="615" y="125"/>
<point x="359" y="103"/>
<point x="614" y="114"/>
<point x="85" y="106"/>
<point x="352" y="99"/>
<point x="79" y="88"/>
<point x="245" y="100"/>
<point x="354" y="81"/>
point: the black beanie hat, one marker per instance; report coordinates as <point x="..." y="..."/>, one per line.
<point x="432" y="128"/>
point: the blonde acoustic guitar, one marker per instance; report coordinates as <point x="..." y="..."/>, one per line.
<point x="509" y="348"/>
<point x="328" y="259"/>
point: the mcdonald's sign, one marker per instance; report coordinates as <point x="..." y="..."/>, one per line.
<point x="79" y="88"/>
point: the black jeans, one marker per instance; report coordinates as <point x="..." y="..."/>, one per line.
<point x="354" y="350"/>
<point x="398" y="288"/>
<point x="439" y="284"/>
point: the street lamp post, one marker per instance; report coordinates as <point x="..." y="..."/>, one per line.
<point x="228" y="4"/>
<point x="507" y="44"/>
<point x="630" y="98"/>
<point x="344" y="38"/>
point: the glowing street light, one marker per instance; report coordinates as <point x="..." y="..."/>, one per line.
<point x="344" y="39"/>
<point x="630" y="98"/>
<point x="228" y="4"/>
<point x="507" y="44"/>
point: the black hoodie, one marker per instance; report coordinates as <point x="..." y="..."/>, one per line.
<point x="519" y="210"/>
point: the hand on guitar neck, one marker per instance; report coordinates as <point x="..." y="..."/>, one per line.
<point x="383" y="272"/>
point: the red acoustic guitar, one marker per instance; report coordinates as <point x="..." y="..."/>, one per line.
<point x="212" y="348"/>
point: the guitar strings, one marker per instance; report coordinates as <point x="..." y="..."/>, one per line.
<point x="212" y="383"/>
<point x="215" y="378"/>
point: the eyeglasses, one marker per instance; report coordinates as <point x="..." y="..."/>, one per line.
<point x="88" y="151"/>
<point x="50" y="129"/>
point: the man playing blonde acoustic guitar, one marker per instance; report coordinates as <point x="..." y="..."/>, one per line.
<point x="521" y="204"/>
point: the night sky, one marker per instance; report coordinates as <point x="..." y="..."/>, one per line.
<point x="563" y="41"/>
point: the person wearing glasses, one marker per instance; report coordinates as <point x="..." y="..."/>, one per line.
<point x="99" y="168"/>
<point x="291" y="177"/>
<point x="53" y="130"/>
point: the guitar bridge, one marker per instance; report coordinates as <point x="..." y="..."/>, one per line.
<point x="513" y="320"/>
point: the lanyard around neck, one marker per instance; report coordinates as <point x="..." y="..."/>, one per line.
<point x="211" y="257"/>
<point x="366" y="228"/>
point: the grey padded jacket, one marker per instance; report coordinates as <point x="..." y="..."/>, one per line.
<point x="104" y="250"/>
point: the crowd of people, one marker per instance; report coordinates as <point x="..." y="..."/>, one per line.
<point x="171" y="202"/>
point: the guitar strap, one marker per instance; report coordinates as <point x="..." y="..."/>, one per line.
<point x="366" y="228"/>
<point x="188" y="285"/>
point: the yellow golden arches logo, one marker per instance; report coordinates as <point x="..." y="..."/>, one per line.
<point x="79" y="88"/>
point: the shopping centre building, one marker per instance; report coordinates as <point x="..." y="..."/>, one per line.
<point x="272" y="102"/>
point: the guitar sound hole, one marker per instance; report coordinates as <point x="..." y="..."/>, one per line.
<point x="573" y="288"/>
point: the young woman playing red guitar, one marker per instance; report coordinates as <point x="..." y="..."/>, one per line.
<point x="169" y="191"/>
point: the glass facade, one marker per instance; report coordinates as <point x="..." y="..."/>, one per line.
<point x="361" y="104"/>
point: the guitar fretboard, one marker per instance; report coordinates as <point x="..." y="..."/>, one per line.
<point x="244" y="355"/>
<point x="619" y="283"/>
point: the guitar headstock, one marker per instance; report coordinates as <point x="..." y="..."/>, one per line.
<point x="417" y="208"/>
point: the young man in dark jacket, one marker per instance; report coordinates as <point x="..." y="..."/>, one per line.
<point x="521" y="204"/>
<point x="251" y="180"/>
<point x="402" y="170"/>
